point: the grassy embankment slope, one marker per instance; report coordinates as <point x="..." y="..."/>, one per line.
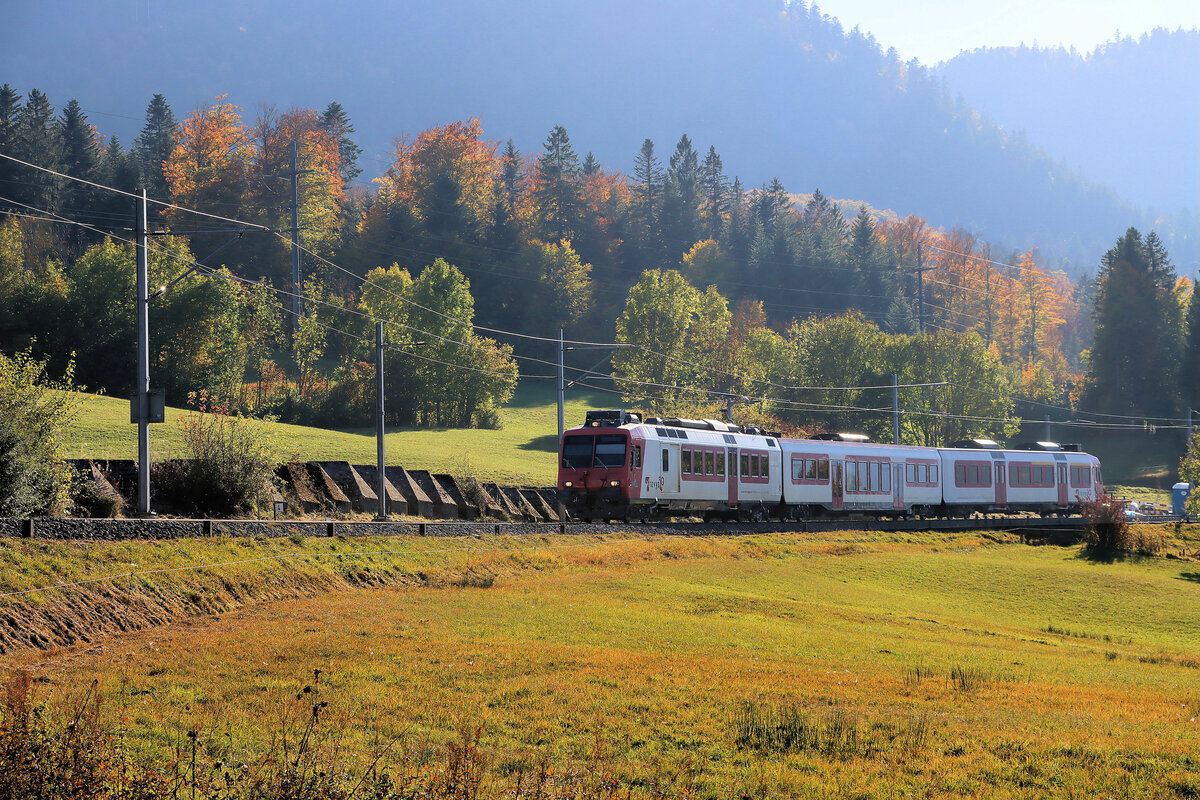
<point x="929" y="665"/>
<point x="520" y="452"/>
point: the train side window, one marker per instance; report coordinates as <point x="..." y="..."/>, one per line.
<point x="960" y="474"/>
<point x="986" y="474"/>
<point x="685" y="462"/>
<point x="636" y="457"/>
<point x="876" y="476"/>
<point x="666" y="460"/>
<point x="753" y="465"/>
<point x="765" y="463"/>
<point x="851" y="476"/>
<point x="745" y="464"/>
<point x="887" y="478"/>
<point x="721" y="464"/>
<point x="708" y="463"/>
<point x="823" y="470"/>
<point x="798" y="468"/>
<point x="933" y="473"/>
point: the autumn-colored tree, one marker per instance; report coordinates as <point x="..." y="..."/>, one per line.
<point x="212" y="157"/>
<point x="445" y="177"/>
<point x="321" y="188"/>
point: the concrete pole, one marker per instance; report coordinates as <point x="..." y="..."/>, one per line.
<point x="561" y="382"/>
<point x="895" y="408"/>
<point x="381" y="488"/>
<point x="143" y="356"/>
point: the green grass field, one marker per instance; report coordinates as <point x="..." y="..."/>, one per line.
<point x="520" y="452"/>
<point x="831" y="665"/>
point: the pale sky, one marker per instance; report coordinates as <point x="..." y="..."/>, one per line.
<point x="936" y="30"/>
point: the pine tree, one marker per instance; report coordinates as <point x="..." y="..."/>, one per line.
<point x="80" y="159"/>
<point x="511" y="172"/>
<point x="590" y="165"/>
<point x="10" y="109"/>
<point x="647" y="194"/>
<point x="1189" y="372"/>
<point x="715" y="188"/>
<point x="1135" y="358"/>
<point x="154" y="144"/>
<point x="336" y="123"/>
<point x="681" y="197"/>
<point x="559" y="188"/>
<point x="38" y="142"/>
<point x="866" y="257"/>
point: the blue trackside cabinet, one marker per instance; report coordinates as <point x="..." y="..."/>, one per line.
<point x="1179" y="496"/>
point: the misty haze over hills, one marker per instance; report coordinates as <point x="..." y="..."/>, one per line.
<point x="780" y="90"/>
<point x="1127" y="114"/>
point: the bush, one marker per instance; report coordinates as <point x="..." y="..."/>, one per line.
<point x="1109" y="531"/>
<point x="34" y="411"/>
<point x="91" y="500"/>
<point x="232" y="464"/>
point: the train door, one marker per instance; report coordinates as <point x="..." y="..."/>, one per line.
<point x="731" y="475"/>
<point x="1001" y="483"/>
<point x="670" y="469"/>
<point x="1062" y="484"/>
<point x="837" y="473"/>
<point x="897" y="486"/>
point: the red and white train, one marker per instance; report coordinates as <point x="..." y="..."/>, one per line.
<point x="617" y="466"/>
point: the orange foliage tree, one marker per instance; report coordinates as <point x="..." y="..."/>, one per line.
<point x="212" y="157"/>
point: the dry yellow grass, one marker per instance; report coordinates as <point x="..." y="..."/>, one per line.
<point x="1076" y="678"/>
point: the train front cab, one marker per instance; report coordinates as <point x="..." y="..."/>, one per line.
<point x="599" y="470"/>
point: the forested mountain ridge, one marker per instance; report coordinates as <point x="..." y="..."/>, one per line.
<point x="1067" y="102"/>
<point x="780" y="88"/>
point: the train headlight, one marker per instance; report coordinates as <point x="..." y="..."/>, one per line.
<point x="567" y="484"/>
<point x="614" y="483"/>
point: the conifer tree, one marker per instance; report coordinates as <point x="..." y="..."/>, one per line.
<point x="559" y="188"/>
<point x="865" y="255"/>
<point x="681" y="197"/>
<point x="1189" y="372"/>
<point x="10" y="109"/>
<point x="647" y="200"/>
<point x="1135" y="358"/>
<point x="38" y="142"/>
<point x="336" y="123"/>
<point x="715" y="189"/>
<point x="154" y="144"/>
<point x="511" y="172"/>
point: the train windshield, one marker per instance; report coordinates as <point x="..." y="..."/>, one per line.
<point x="610" y="451"/>
<point x="577" y="451"/>
<point x="583" y="452"/>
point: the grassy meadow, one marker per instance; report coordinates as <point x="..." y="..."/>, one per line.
<point x="520" y="452"/>
<point x="819" y="665"/>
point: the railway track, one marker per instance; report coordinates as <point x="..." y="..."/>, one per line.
<point x="133" y="529"/>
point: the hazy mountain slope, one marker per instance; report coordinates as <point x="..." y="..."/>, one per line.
<point x="780" y="90"/>
<point x="1128" y="114"/>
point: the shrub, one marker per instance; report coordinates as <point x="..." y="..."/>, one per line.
<point x="34" y="411"/>
<point x="91" y="500"/>
<point x="231" y="469"/>
<point x="1109" y="531"/>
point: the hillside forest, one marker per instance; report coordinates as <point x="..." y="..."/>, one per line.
<point x="475" y="253"/>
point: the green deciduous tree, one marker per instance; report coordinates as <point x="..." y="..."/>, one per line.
<point x="35" y="409"/>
